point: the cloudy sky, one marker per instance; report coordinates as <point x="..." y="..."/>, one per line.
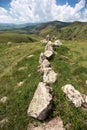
<point x="25" y="11"/>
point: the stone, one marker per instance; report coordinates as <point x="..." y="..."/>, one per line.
<point x="54" y="124"/>
<point x="49" y="76"/>
<point x="30" y="56"/>
<point x="3" y="122"/>
<point x="4" y="99"/>
<point x="74" y="95"/>
<point x="42" y="58"/>
<point x="20" y="83"/>
<point x="45" y="65"/>
<point x="57" y="43"/>
<point x="49" y="48"/>
<point x="48" y="54"/>
<point x="44" y="41"/>
<point x="41" y="102"/>
<point x="86" y="82"/>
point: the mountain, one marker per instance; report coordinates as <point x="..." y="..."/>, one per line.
<point x="62" y="30"/>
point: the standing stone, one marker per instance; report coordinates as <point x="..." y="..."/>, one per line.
<point x="49" y="76"/>
<point x="54" y="124"/>
<point x="41" y="102"/>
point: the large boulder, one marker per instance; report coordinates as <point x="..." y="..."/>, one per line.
<point x="45" y="65"/>
<point x="41" y="102"/>
<point x="73" y="95"/>
<point x="42" y="58"/>
<point x="49" y="76"/>
<point x="54" y="124"/>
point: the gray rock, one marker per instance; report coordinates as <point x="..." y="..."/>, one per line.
<point x="48" y="54"/>
<point x="49" y="76"/>
<point x="54" y="124"/>
<point x="73" y="95"/>
<point x="57" y="43"/>
<point x="4" y="99"/>
<point x="49" y="47"/>
<point x="41" y="102"/>
<point x="42" y="58"/>
<point x="3" y="122"/>
<point x="45" y="65"/>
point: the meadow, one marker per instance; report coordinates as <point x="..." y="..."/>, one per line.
<point x="19" y="63"/>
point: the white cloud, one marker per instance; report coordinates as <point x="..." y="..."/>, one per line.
<point x="23" y="11"/>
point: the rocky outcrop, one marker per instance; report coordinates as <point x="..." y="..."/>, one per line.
<point x="49" y="76"/>
<point x="41" y="102"/>
<point x="55" y="124"/>
<point x="74" y="95"/>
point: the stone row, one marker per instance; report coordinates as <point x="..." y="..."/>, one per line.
<point x="42" y="100"/>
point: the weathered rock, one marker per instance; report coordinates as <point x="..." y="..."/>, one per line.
<point x="54" y="124"/>
<point x="49" y="76"/>
<point x="45" y="65"/>
<point x="42" y="58"/>
<point x="48" y="54"/>
<point x="20" y="83"/>
<point x="57" y="43"/>
<point x="41" y="102"/>
<point x="4" y="99"/>
<point x="74" y="95"/>
<point x="3" y="122"/>
<point x="49" y="48"/>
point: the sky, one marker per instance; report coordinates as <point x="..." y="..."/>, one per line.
<point x="32" y="11"/>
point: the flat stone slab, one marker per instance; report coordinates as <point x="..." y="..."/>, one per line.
<point x="41" y="102"/>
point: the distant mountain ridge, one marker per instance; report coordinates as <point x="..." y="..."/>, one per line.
<point x="63" y="30"/>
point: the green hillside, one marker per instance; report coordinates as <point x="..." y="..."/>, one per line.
<point x="71" y="31"/>
<point x="17" y="65"/>
<point x="15" y="37"/>
<point x="63" y="30"/>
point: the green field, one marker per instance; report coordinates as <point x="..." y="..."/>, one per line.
<point x="16" y="66"/>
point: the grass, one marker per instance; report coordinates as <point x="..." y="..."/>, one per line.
<point x="15" y="37"/>
<point x="74" y="71"/>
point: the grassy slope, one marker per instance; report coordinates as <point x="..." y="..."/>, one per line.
<point x="16" y="37"/>
<point x="76" y="30"/>
<point x="73" y="71"/>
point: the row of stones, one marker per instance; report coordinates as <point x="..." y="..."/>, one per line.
<point x="43" y="98"/>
